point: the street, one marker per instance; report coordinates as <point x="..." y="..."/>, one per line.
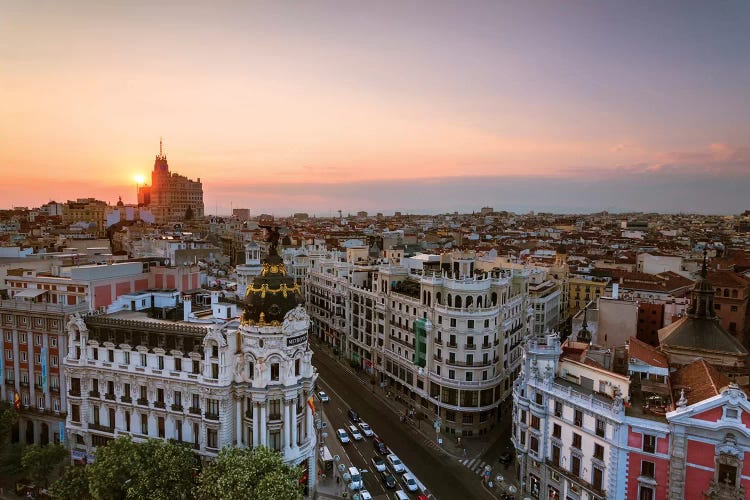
<point x="444" y="477"/>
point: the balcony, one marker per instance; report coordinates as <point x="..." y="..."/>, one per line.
<point x="160" y="404"/>
<point x="24" y="383"/>
<point x="438" y="341"/>
<point x="437" y="358"/>
<point x="470" y="347"/>
<point x="75" y="393"/>
<point x="194" y="410"/>
<point x="176" y="407"/>
<point x="109" y="396"/>
<point x="142" y="401"/>
<point x="126" y="399"/>
<point x="102" y="428"/>
<point x="94" y="394"/>
<point x="576" y="479"/>
<point x="212" y="416"/>
<point x="486" y="346"/>
<point x="452" y="344"/>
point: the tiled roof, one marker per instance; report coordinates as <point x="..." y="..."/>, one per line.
<point x="700" y="381"/>
<point x="646" y="353"/>
<point x="727" y="279"/>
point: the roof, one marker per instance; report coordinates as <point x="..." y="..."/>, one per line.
<point x="30" y="293"/>
<point x="648" y="354"/>
<point x="700" y="334"/>
<point x="727" y="279"/>
<point x="700" y="381"/>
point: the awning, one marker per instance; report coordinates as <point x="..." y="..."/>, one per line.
<point x="30" y="293"/>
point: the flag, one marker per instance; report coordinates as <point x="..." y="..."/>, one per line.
<point x="311" y="403"/>
<point x="17" y="401"/>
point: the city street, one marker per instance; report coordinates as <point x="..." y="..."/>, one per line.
<point x="443" y="476"/>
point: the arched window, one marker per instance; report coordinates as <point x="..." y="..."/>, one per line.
<point x="718" y="292"/>
<point x="726" y="292"/>
<point x="734" y="294"/>
<point x="429" y="298"/>
<point x="479" y="301"/>
<point x="450" y="300"/>
<point x="458" y="301"/>
<point x="494" y="298"/>
<point x="439" y="298"/>
<point x="469" y="301"/>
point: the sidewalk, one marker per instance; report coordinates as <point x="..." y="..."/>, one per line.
<point x="327" y="488"/>
<point x="471" y="447"/>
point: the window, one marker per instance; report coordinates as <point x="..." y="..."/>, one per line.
<point x="598" y="452"/>
<point x="8" y="337"/>
<point x="274" y="371"/>
<point x="452" y="374"/>
<point x="75" y="413"/>
<point x="178" y="364"/>
<point x="22" y="338"/>
<point x="534" y="444"/>
<point x="144" y="425"/>
<point x="556" y="431"/>
<point x="576" y="441"/>
<point x="575" y="465"/>
<point x="212" y="436"/>
<point x="37" y="339"/>
<point x="468" y="418"/>
<point x="556" y="455"/>
<point x="649" y="443"/>
<point x="578" y="419"/>
<point x="645" y="493"/>
<point x="601" y="427"/>
<point x="37" y="358"/>
<point x="296" y="368"/>
<point x="535" y="422"/>
<point x="596" y="478"/>
<point x="178" y="399"/>
<point x="470" y="324"/>
<point x="453" y="322"/>
<point x="469" y="376"/>
<point x="126" y="357"/>
<point x="212" y="407"/>
<point x="160" y="362"/>
<point x="539" y="398"/>
<point x="53" y="360"/>
<point x="647" y="469"/>
<point x="558" y="409"/>
<point x="196" y="366"/>
<point x="24" y="356"/>
<point x="8" y="354"/>
<point x="143" y="359"/>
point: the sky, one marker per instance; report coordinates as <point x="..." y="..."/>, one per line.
<point x="415" y="106"/>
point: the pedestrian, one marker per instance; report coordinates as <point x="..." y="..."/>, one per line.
<point x="337" y="480"/>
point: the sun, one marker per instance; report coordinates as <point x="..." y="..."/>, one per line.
<point x="139" y="179"/>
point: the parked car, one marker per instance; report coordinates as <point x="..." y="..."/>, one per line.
<point x="401" y="495"/>
<point x="355" y="433"/>
<point x="410" y="482"/>
<point x="362" y="495"/>
<point x="396" y="463"/>
<point x="323" y="397"/>
<point x="353" y="415"/>
<point x="366" y="429"/>
<point x="388" y="479"/>
<point x="379" y="445"/>
<point x="343" y="436"/>
<point x="378" y="463"/>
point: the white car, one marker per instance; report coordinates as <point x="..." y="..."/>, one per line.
<point x="343" y="436"/>
<point x="398" y="465"/>
<point x="355" y="433"/>
<point x="401" y="495"/>
<point x="366" y="430"/>
<point x="378" y="463"/>
<point x="323" y="397"/>
<point x="362" y="495"/>
<point x="410" y="482"/>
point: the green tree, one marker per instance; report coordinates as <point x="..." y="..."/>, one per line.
<point x="10" y="459"/>
<point x="72" y="485"/>
<point x="239" y="473"/>
<point x="165" y="472"/>
<point x="8" y="418"/>
<point x="113" y="469"/>
<point x="40" y="461"/>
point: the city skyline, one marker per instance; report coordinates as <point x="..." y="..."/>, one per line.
<point x="419" y="108"/>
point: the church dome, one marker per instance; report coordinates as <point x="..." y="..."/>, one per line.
<point x="271" y="295"/>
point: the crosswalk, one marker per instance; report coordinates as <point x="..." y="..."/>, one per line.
<point x="475" y="465"/>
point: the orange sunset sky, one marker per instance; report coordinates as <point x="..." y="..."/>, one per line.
<point x="316" y="106"/>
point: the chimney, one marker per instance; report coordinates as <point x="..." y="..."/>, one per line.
<point x="187" y="307"/>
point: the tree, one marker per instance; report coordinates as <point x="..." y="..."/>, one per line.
<point x="72" y="485"/>
<point x="8" y="418"/>
<point x="165" y="472"/>
<point x="113" y="469"/>
<point x="10" y="459"/>
<point x="40" y="461"/>
<point x="259" y="473"/>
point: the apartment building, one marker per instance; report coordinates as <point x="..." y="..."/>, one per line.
<point x="446" y="337"/>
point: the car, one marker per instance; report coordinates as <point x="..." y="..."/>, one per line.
<point x="410" y="481"/>
<point x="353" y="415"/>
<point x="388" y="480"/>
<point x="355" y="433"/>
<point x="401" y="495"/>
<point x="505" y="458"/>
<point x="366" y="429"/>
<point x="396" y="463"/>
<point x="343" y="436"/>
<point x="379" y="445"/>
<point x="378" y="463"/>
<point x="362" y="495"/>
<point x="323" y="397"/>
<point x="355" y="476"/>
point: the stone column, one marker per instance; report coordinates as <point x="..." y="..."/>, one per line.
<point x="294" y="424"/>
<point x="263" y="421"/>
<point x="238" y="422"/>
<point x="286" y="441"/>
<point x="256" y="424"/>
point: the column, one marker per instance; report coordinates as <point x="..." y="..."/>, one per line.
<point x="309" y="414"/>
<point x="256" y="424"/>
<point x="238" y="422"/>
<point x="286" y="441"/>
<point x="294" y="424"/>
<point x="263" y="420"/>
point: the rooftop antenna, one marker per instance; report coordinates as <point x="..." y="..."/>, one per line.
<point x="161" y="147"/>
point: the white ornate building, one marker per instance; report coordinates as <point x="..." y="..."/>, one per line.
<point x="238" y="383"/>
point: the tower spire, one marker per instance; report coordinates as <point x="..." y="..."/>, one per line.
<point x="704" y="269"/>
<point x="161" y="146"/>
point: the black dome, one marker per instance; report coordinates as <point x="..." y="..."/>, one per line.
<point x="271" y="295"/>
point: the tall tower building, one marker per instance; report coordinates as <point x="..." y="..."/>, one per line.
<point x="171" y="197"/>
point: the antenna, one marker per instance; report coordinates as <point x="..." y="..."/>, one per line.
<point x="161" y="147"/>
